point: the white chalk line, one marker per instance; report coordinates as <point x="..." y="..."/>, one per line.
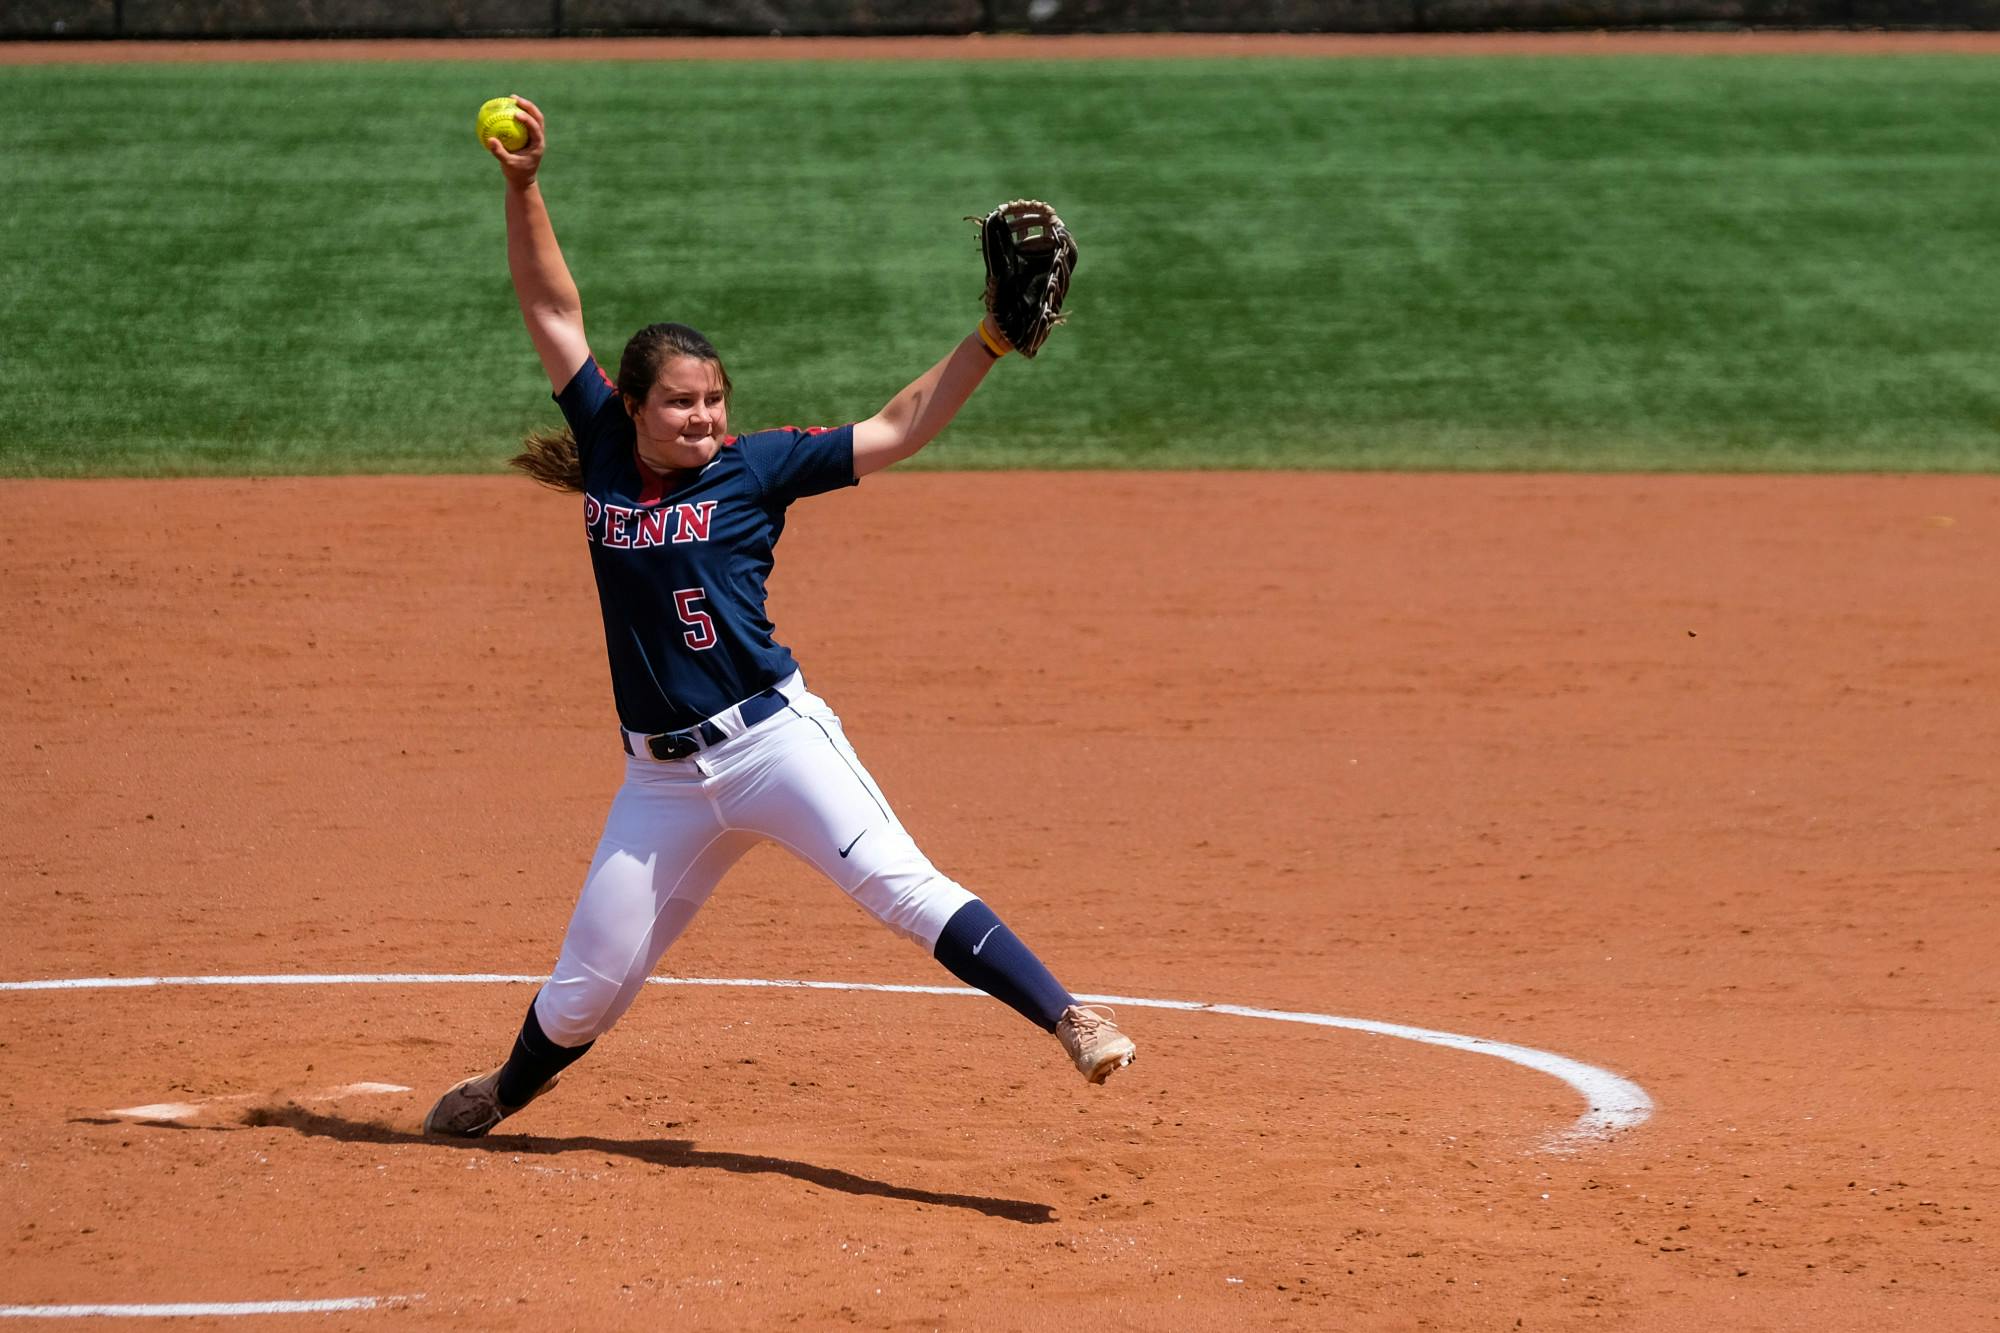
<point x="194" y="1310"/>
<point x="1616" y="1104"/>
<point x="157" y="1111"/>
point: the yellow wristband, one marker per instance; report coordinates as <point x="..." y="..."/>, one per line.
<point x="994" y="349"/>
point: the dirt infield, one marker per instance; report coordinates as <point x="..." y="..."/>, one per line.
<point x="1687" y="778"/>
<point x="1160" y="46"/>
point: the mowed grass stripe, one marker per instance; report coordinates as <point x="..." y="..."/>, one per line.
<point x="1620" y="263"/>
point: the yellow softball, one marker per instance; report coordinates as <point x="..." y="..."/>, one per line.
<point x="497" y="121"/>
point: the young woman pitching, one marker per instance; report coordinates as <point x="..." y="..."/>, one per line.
<point x="726" y="746"/>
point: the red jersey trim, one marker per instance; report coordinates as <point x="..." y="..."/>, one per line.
<point x="652" y="485"/>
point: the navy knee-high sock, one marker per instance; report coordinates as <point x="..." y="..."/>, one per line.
<point x="534" y="1062"/>
<point x="982" y="952"/>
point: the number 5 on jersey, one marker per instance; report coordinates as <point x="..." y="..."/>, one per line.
<point x="701" y="628"/>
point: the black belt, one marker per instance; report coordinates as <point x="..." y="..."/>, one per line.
<point x="691" y="740"/>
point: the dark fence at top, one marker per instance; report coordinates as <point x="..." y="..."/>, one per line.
<point x="714" y="18"/>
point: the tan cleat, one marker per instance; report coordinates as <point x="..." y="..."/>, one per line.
<point x="1094" y="1041"/>
<point x="472" y="1107"/>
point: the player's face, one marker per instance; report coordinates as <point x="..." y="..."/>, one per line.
<point x="683" y="420"/>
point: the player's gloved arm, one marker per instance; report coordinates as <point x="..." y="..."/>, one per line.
<point x="913" y="418"/>
<point x="550" y="305"/>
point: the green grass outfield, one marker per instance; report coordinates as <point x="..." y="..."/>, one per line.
<point x="1738" y="263"/>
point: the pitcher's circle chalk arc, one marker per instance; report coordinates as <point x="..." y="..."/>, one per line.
<point x="1615" y="1104"/>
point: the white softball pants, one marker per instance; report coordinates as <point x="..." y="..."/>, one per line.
<point x="676" y="827"/>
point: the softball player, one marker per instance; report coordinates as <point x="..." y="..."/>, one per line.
<point x="725" y="745"/>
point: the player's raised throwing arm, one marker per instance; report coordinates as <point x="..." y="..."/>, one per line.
<point x="550" y="305"/>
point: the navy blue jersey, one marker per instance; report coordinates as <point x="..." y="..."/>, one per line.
<point x="681" y="562"/>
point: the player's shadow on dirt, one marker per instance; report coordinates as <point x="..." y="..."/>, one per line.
<point x="678" y="1153"/>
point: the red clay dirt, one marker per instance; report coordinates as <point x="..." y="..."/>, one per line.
<point x="1096" y="46"/>
<point x="1688" y="778"/>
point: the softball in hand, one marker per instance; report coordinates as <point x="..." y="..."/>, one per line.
<point x="497" y="121"/>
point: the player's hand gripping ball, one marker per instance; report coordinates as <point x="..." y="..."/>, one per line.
<point x="497" y="121"/>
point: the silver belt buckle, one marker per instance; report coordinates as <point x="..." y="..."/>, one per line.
<point x="671" y="745"/>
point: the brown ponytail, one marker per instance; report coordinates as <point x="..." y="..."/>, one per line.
<point x="550" y="456"/>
